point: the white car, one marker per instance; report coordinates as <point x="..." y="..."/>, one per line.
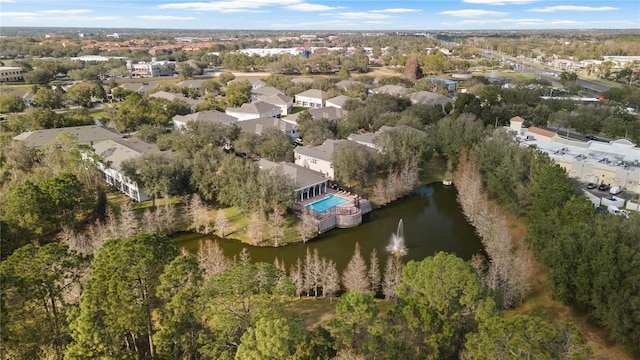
<point x="615" y="190"/>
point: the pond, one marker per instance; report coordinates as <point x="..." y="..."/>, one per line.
<point x="432" y="222"/>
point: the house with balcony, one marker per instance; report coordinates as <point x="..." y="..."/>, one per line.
<point x="318" y="158"/>
<point x="113" y="153"/>
<point x="312" y="98"/>
<point x="307" y="183"/>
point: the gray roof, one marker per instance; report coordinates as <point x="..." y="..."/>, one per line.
<point x="340" y="100"/>
<point x="321" y="152"/>
<point x="301" y="176"/>
<point x="267" y="90"/>
<point x="259" y="125"/>
<point x="328" y="113"/>
<point x="192" y="84"/>
<point x="141" y="88"/>
<point x="257" y="108"/>
<point x="314" y="93"/>
<point x="212" y="116"/>
<point x="25" y="95"/>
<point x="391" y="90"/>
<point x="429" y="98"/>
<point x="119" y="150"/>
<point x="252" y="80"/>
<point x="369" y="137"/>
<point x="345" y="84"/>
<point x="277" y="99"/>
<point x="87" y="134"/>
<point x="173" y="96"/>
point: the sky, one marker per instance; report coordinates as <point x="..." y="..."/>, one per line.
<point x="323" y="14"/>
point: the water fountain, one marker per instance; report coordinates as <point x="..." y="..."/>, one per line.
<point x="396" y="246"/>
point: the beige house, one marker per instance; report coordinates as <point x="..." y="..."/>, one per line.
<point x="515" y="124"/>
<point x="312" y="98"/>
<point x="318" y="158"/>
<point x="211" y="116"/>
<point x="307" y="183"/>
<point x="260" y="125"/>
<point x="284" y="102"/>
<point x="254" y="110"/>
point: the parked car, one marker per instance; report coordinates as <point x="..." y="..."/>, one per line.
<point x="616" y="211"/>
<point x="591" y="186"/>
<point x="615" y="190"/>
<point x="603" y="187"/>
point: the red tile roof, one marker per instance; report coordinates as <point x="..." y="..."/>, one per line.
<point x="542" y="132"/>
<point x="517" y="119"/>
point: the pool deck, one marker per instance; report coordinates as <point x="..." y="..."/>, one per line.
<point x="349" y="196"/>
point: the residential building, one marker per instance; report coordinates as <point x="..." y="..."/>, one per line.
<point x="153" y="68"/>
<point x="88" y="135"/>
<point x="194" y="84"/>
<point x="140" y="88"/>
<point x="396" y="90"/>
<point x="327" y="113"/>
<point x="318" y="158"/>
<point x="211" y="116"/>
<point x="307" y="183"/>
<point x="284" y="102"/>
<point x="11" y="73"/>
<point x="346" y="84"/>
<point x="540" y="134"/>
<point x="114" y="152"/>
<point x="429" y="98"/>
<point x="339" y="101"/>
<point x="256" y="83"/>
<point x="175" y="96"/>
<point x="368" y="138"/>
<point x="312" y="98"/>
<point x="254" y="110"/>
<point x="265" y="91"/>
<point x="451" y="85"/>
<point x="260" y="125"/>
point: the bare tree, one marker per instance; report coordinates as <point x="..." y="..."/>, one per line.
<point x="330" y="278"/>
<point x="307" y="227"/>
<point x="211" y="258"/>
<point x="297" y="277"/>
<point x="279" y="265"/>
<point x="79" y="243"/>
<point x="167" y="215"/>
<point x="255" y="229"/>
<point x="245" y="256"/>
<point x="128" y="222"/>
<point x="222" y="223"/>
<point x="392" y="277"/>
<point x="354" y="277"/>
<point x="148" y="221"/>
<point x="312" y="272"/>
<point x="276" y="219"/>
<point x="195" y="210"/>
<point x="374" y="271"/>
<point x="111" y="224"/>
<point x="380" y="194"/>
<point x="508" y="266"/>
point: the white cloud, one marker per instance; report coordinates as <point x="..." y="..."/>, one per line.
<point x="66" y="12"/>
<point x="396" y="10"/>
<point x="472" y="13"/>
<point x="229" y="6"/>
<point x="311" y="7"/>
<point x="498" y="2"/>
<point x="165" y="17"/>
<point x="376" y="22"/>
<point x="572" y="8"/>
<point x="18" y="14"/>
<point x="6" y="1"/>
<point x="361" y="15"/>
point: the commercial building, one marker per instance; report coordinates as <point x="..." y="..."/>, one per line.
<point x="10" y="73"/>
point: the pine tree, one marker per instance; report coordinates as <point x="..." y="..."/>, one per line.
<point x="354" y="277"/>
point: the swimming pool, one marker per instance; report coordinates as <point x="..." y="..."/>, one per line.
<point x="327" y="203"/>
